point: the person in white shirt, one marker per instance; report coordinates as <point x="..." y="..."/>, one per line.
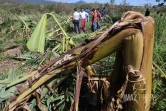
<point x="83" y="15"/>
<point x="76" y="18"/>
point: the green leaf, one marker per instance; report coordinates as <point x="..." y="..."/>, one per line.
<point x="37" y="40"/>
<point x="5" y="94"/>
<point x="49" y="104"/>
<point x="17" y="25"/>
<point x="32" y="105"/>
<point x="57" y="98"/>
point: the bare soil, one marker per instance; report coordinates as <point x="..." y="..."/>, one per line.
<point x="6" y="64"/>
<point x="10" y="63"/>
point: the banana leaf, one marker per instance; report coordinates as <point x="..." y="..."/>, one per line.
<point x="37" y="41"/>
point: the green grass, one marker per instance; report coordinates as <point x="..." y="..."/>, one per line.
<point x="159" y="95"/>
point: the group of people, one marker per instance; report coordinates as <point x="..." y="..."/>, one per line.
<point x="84" y="16"/>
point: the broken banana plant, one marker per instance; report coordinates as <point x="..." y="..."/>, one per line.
<point x="132" y="38"/>
<point x="36" y="42"/>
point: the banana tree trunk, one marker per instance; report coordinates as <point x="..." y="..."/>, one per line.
<point x="131" y="26"/>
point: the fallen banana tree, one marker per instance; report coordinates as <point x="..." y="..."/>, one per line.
<point x="131" y="81"/>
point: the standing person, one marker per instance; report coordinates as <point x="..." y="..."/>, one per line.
<point x="94" y="19"/>
<point x="104" y="12"/>
<point x="99" y="18"/>
<point x="87" y="11"/>
<point x="147" y="13"/>
<point x="76" y="18"/>
<point x="83" y="15"/>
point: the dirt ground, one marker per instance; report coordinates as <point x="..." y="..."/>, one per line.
<point x="10" y="63"/>
<point x="6" y="64"/>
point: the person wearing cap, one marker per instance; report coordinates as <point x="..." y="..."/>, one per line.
<point x="76" y="18"/>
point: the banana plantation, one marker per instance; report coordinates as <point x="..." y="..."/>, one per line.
<point x="45" y="66"/>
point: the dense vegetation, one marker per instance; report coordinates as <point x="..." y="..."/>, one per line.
<point x="18" y="21"/>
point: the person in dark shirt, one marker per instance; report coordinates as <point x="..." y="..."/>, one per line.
<point x="104" y="12"/>
<point x="147" y="13"/>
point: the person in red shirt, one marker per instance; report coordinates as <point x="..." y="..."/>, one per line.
<point x="94" y="19"/>
<point x="99" y="18"/>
